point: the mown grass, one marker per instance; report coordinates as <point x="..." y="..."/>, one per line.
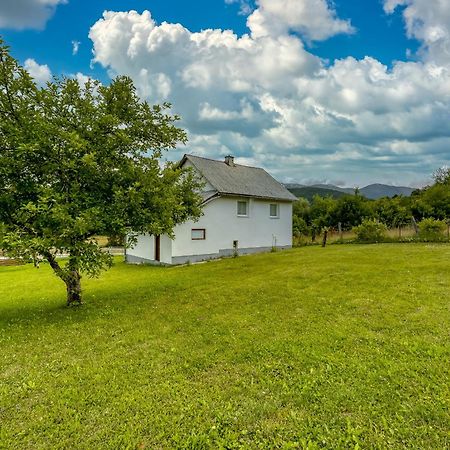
<point x="342" y="347"/>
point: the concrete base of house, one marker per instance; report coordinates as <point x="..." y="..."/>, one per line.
<point x="131" y="259"/>
<point x="224" y="253"/>
<point x="176" y="260"/>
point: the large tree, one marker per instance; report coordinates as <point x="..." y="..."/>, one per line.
<point x="351" y="210"/>
<point x="434" y="201"/>
<point x="78" y="161"/>
<point x="393" y="212"/>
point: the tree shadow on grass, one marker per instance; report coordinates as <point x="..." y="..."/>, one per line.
<point x="107" y="299"/>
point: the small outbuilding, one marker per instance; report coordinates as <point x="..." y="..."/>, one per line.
<point x="245" y="210"/>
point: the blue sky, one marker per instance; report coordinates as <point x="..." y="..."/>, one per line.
<point x="377" y="34"/>
<point x="350" y="92"/>
<point x="72" y="21"/>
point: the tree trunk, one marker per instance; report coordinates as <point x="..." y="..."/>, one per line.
<point x="71" y="277"/>
<point x="73" y="286"/>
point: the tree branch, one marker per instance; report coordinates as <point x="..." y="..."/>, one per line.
<point x="55" y="265"/>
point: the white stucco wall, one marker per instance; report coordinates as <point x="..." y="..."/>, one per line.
<point x="223" y="226"/>
<point x="166" y="250"/>
<point x="145" y="249"/>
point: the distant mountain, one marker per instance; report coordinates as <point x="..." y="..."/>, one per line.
<point x="293" y="185"/>
<point x="309" y="192"/>
<point x="373" y="191"/>
<point x="335" y="188"/>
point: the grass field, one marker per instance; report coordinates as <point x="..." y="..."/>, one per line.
<point x="342" y="347"/>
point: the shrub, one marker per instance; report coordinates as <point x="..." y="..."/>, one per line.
<point x="370" y="231"/>
<point x="299" y="226"/>
<point x="432" y="230"/>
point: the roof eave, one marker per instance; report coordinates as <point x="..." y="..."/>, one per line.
<point x="211" y="198"/>
<point x="261" y="197"/>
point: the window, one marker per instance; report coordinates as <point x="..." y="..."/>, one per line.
<point x="274" y="212"/>
<point x="198" y="234"/>
<point x="242" y="208"/>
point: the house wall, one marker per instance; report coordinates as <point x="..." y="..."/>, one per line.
<point x="166" y="249"/>
<point x="257" y="232"/>
<point x="144" y="250"/>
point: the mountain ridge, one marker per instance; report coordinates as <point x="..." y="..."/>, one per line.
<point x="372" y="191"/>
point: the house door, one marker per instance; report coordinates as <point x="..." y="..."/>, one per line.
<point x="158" y="248"/>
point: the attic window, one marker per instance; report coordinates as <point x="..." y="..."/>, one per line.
<point x="242" y="208"/>
<point x="274" y="211"/>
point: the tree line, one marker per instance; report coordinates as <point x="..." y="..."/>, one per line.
<point x="427" y="209"/>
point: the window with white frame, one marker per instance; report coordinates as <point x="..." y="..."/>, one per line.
<point x="242" y="208"/>
<point x="274" y="211"/>
<point x="198" y="234"/>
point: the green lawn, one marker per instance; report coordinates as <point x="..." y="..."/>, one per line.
<point x="339" y="347"/>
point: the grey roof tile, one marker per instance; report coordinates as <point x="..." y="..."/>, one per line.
<point x="240" y="180"/>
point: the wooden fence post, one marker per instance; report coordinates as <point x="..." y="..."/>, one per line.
<point x="325" y="235"/>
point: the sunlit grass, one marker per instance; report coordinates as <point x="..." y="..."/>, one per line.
<point x="310" y="348"/>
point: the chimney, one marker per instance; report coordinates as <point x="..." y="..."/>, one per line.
<point x="229" y="160"/>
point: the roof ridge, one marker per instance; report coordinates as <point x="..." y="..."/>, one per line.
<point x="201" y="157"/>
<point x="220" y="161"/>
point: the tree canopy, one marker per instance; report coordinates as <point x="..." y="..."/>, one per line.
<point x="78" y="161"/>
<point x="349" y="211"/>
<point x="434" y="201"/>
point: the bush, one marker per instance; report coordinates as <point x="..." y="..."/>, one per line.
<point x="370" y="231"/>
<point x="299" y="226"/>
<point x="432" y="230"/>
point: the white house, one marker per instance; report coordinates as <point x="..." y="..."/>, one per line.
<point x="245" y="210"/>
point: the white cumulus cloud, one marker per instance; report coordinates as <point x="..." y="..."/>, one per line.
<point x="267" y="99"/>
<point x="40" y="72"/>
<point x="21" y="14"/>
<point x="429" y="22"/>
<point x="313" y="19"/>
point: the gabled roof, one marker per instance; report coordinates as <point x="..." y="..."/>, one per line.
<point x="239" y="180"/>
